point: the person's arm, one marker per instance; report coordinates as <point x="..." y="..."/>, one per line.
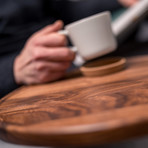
<point x="7" y="82"/>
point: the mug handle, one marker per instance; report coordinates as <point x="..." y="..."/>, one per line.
<point x="79" y="61"/>
<point x="65" y="32"/>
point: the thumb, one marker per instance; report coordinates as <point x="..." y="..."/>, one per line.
<point x="58" y="25"/>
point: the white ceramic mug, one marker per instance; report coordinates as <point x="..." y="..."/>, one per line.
<point x="92" y="36"/>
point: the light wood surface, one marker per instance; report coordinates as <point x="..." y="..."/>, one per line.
<point x="104" y="66"/>
<point x="79" y="111"/>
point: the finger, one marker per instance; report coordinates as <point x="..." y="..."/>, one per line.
<point x="134" y="2"/>
<point x="128" y="3"/>
<point x="58" y="25"/>
<point x="52" y="40"/>
<point x="53" y="54"/>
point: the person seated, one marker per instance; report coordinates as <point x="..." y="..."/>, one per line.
<point x="31" y="50"/>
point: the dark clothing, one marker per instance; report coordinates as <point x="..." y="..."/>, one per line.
<point x="71" y="11"/>
<point x="19" y="19"/>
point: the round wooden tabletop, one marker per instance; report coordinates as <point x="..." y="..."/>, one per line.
<point x="79" y="111"/>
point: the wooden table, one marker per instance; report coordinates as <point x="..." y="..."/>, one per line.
<point x="79" y="111"/>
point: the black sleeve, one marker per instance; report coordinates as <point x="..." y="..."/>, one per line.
<point x="7" y="82"/>
<point x="74" y="10"/>
<point x="103" y="5"/>
<point x="18" y="21"/>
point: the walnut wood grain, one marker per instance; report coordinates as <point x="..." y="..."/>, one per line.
<point x="79" y="111"/>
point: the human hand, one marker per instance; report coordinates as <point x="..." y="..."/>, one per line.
<point x="44" y="58"/>
<point x="128" y="3"/>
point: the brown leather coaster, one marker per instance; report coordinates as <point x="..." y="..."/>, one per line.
<point x="103" y="67"/>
